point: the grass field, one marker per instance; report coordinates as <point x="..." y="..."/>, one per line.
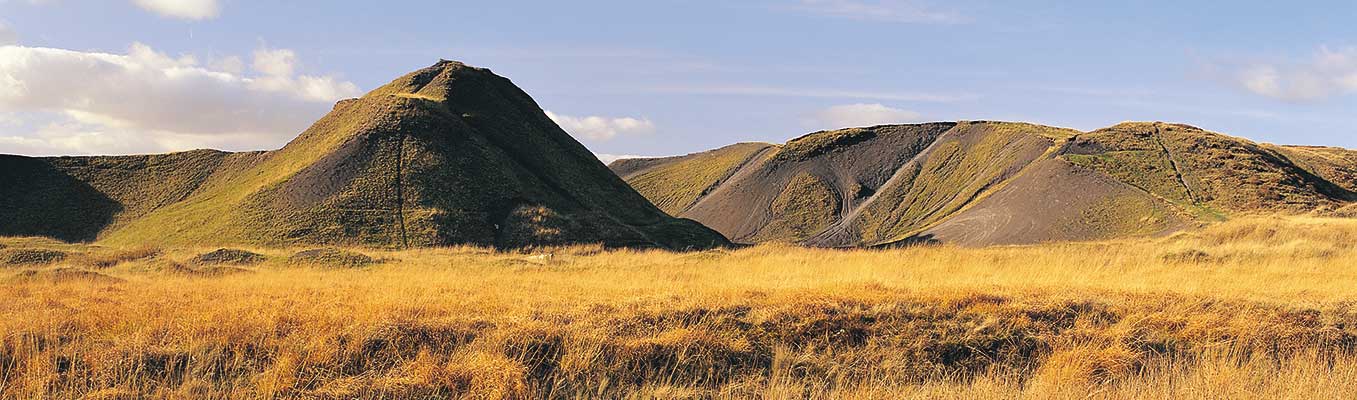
<point x="1259" y="307"/>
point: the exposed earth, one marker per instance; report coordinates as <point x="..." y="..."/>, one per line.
<point x="990" y="183"/>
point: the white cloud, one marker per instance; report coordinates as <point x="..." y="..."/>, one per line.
<point x="1325" y="74"/>
<point x="903" y="11"/>
<point x="857" y="115"/>
<point x="73" y="136"/>
<point x="7" y="35"/>
<point x="275" y="62"/>
<point x="229" y="64"/>
<point x="277" y="67"/>
<point x="147" y="101"/>
<point x="602" y="128"/>
<point x="183" y="9"/>
<point x="609" y="158"/>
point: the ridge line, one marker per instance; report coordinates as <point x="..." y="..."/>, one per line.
<point x="707" y="191"/>
<point x="843" y="225"/>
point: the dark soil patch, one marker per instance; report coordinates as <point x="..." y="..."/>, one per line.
<point x="229" y="257"/>
<point x="332" y="258"/>
<point x="30" y="256"/>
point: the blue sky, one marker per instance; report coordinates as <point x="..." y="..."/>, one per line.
<point x="672" y="77"/>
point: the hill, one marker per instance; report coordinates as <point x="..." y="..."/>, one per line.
<point x="986" y="183"/>
<point x="449" y="154"/>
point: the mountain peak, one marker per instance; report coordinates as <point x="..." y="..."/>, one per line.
<point x="448" y="154"/>
<point x="441" y="80"/>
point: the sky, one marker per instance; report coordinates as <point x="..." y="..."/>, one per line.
<point x="660" y="77"/>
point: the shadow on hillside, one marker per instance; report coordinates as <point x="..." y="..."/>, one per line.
<point x="37" y="199"/>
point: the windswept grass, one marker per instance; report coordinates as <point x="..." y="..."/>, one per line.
<point x="1252" y="308"/>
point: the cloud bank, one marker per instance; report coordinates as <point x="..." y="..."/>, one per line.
<point x="601" y="129"/>
<point x="1325" y="74"/>
<point x="182" y="9"/>
<point x="72" y="102"/>
<point x="858" y="115"/>
<point x="901" y="11"/>
<point x="609" y="158"/>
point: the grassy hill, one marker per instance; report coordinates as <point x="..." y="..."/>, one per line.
<point x="449" y="154"/>
<point x="698" y="174"/>
<point x="983" y="183"/>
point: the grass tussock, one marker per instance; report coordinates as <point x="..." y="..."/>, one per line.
<point x="1266" y="311"/>
<point x="332" y="257"/>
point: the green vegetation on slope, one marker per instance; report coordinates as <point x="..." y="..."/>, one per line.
<point x="1333" y="164"/>
<point x="805" y="207"/>
<point x="1209" y="174"/>
<point x="900" y="183"/>
<point x="1146" y="169"/>
<point x="676" y="185"/>
<point x="970" y="160"/>
<point x="817" y="143"/>
<point x="1121" y="216"/>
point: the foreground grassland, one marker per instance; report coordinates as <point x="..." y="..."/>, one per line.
<point x="1259" y="307"/>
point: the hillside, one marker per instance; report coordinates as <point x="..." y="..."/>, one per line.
<point x="986" y="183"/>
<point x="449" y="154"/>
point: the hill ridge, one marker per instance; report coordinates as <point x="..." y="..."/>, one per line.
<point x="999" y="182"/>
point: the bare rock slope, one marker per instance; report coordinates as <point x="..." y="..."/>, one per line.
<point x="986" y="183"/>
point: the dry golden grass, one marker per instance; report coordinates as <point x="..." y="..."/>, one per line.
<point x="1259" y="307"/>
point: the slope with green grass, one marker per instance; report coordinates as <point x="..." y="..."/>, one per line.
<point x="963" y="165"/>
<point x="449" y="154"/>
<point x="793" y="191"/>
<point x="1209" y="172"/>
<point x="676" y="183"/>
<point x="1334" y="164"/>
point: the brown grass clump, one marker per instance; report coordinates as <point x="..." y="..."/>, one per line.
<point x="106" y="258"/>
<point x="1273" y="316"/>
<point x="61" y="275"/>
<point x="1188" y="256"/>
<point x="228" y="257"/>
<point x="175" y="268"/>
<point x="332" y="257"/>
<point x="30" y="256"/>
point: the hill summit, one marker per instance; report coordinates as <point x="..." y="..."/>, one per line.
<point x="988" y="183"/>
<point x="449" y="154"/>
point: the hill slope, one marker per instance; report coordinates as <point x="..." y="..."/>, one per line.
<point x="983" y="183"/>
<point x="449" y="154"/>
